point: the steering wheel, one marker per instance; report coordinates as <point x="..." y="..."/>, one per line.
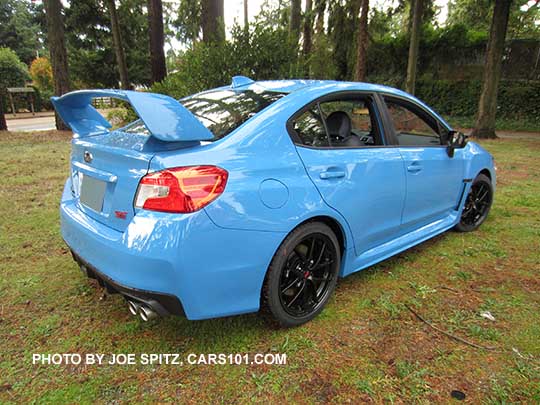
<point x="367" y="139"/>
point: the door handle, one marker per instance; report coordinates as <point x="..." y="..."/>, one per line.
<point x="414" y="167"/>
<point x="331" y="174"/>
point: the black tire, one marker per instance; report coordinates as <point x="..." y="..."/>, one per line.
<point x="477" y="204"/>
<point x="302" y="275"/>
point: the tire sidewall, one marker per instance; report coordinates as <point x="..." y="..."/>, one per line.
<point x="272" y="283"/>
<point x="468" y="228"/>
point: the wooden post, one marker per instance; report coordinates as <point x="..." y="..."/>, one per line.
<point x="12" y="105"/>
<point x="32" y="103"/>
<point x="3" y="123"/>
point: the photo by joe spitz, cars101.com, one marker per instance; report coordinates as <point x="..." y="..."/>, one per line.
<point x="260" y="195"/>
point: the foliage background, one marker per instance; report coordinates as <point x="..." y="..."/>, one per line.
<point x="450" y="66"/>
<point x="449" y="72"/>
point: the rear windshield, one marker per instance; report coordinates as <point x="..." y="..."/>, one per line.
<point x="222" y="111"/>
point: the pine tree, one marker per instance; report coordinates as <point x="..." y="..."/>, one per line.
<point x="487" y="107"/>
<point x="213" y="23"/>
<point x="58" y="53"/>
<point x="157" y="39"/>
<point x="118" y="46"/>
<point x="416" y="26"/>
<point x="362" y="43"/>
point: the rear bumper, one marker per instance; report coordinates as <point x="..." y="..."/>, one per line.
<point x="210" y="271"/>
<point x="163" y="304"/>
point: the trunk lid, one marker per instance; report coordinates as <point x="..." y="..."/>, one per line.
<point x="107" y="166"/>
<point x="105" y="172"/>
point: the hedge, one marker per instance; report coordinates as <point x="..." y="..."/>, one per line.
<point x="516" y="99"/>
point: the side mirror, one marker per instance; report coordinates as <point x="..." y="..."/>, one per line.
<point x="455" y="140"/>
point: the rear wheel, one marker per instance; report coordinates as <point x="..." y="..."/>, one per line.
<point x="477" y="204"/>
<point x="302" y="274"/>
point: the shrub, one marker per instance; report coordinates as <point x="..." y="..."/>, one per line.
<point x="42" y="82"/>
<point x="121" y="115"/>
<point x="41" y="74"/>
<point x="262" y="53"/>
<point x="13" y="72"/>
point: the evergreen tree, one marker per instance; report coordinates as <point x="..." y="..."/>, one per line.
<point x="212" y="21"/>
<point x="118" y="46"/>
<point x="487" y="107"/>
<point x="416" y="26"/>
<point x="362" y="43"/>
<point x="57" y="49"/>
<point x="157" y="39"/>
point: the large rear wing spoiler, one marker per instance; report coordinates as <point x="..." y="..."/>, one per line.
<point x="164" y="117"/>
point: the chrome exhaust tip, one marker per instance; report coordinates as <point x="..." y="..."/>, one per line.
<point x="147" y="313"/>
<point x="133" y="307"/>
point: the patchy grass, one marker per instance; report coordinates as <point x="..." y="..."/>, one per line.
<point x="366" y="346"/>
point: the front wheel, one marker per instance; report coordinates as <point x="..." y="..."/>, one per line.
<point x="477" y="205"/>
<point x="302" y="274"/>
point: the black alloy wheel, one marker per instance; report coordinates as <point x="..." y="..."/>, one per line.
<point x="477" y="204"/>
<point x="302" y="275"/>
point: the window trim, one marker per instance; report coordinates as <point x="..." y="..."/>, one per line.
<point x="325" y="125"/>
<point x="415" y="108"/>
<point x="333" y="97"/>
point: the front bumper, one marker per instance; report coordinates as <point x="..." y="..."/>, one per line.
<point x="211" y="271"/>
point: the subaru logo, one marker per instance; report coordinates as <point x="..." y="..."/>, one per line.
<point x="88" y="157"/>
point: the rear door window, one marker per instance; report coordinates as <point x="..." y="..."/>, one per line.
<point x="310" y="129"/>
<point x="344" y="122"/>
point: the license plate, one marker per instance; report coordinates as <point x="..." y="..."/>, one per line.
<point x="92" y="192"/>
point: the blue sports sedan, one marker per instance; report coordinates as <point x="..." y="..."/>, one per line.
<point x="260" y="194"/>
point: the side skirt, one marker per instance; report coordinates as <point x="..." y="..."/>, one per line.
<point x="398" y="245"/>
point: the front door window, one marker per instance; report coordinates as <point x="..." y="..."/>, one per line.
<point x="411" y="128"/>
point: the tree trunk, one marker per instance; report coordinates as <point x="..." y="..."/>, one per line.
<point x="213" y="22"/>
<point x="414" y="44"/>
<point x="295" y="21"/>
<point x="487" y="107"/>
<point x="308" y="27"/>
<point x="362" y="43"/>
<point x="58" y="53"/>
<point x="157" y="39"/>
<point x="3" y="123"/>
<point x="246" y="19"/>
<point x="118" y="47"/>
<point x="320" y="8"/>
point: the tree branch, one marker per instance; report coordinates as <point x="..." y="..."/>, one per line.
<point x="459" y="339"/>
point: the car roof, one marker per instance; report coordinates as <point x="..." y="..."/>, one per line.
<point x="291" y="86"/>
<point x="330" y="86"/>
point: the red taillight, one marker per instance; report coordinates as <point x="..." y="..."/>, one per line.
<point x="181" y="189"/>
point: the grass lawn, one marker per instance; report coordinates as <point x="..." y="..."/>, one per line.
<point x="366" y="345"/>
